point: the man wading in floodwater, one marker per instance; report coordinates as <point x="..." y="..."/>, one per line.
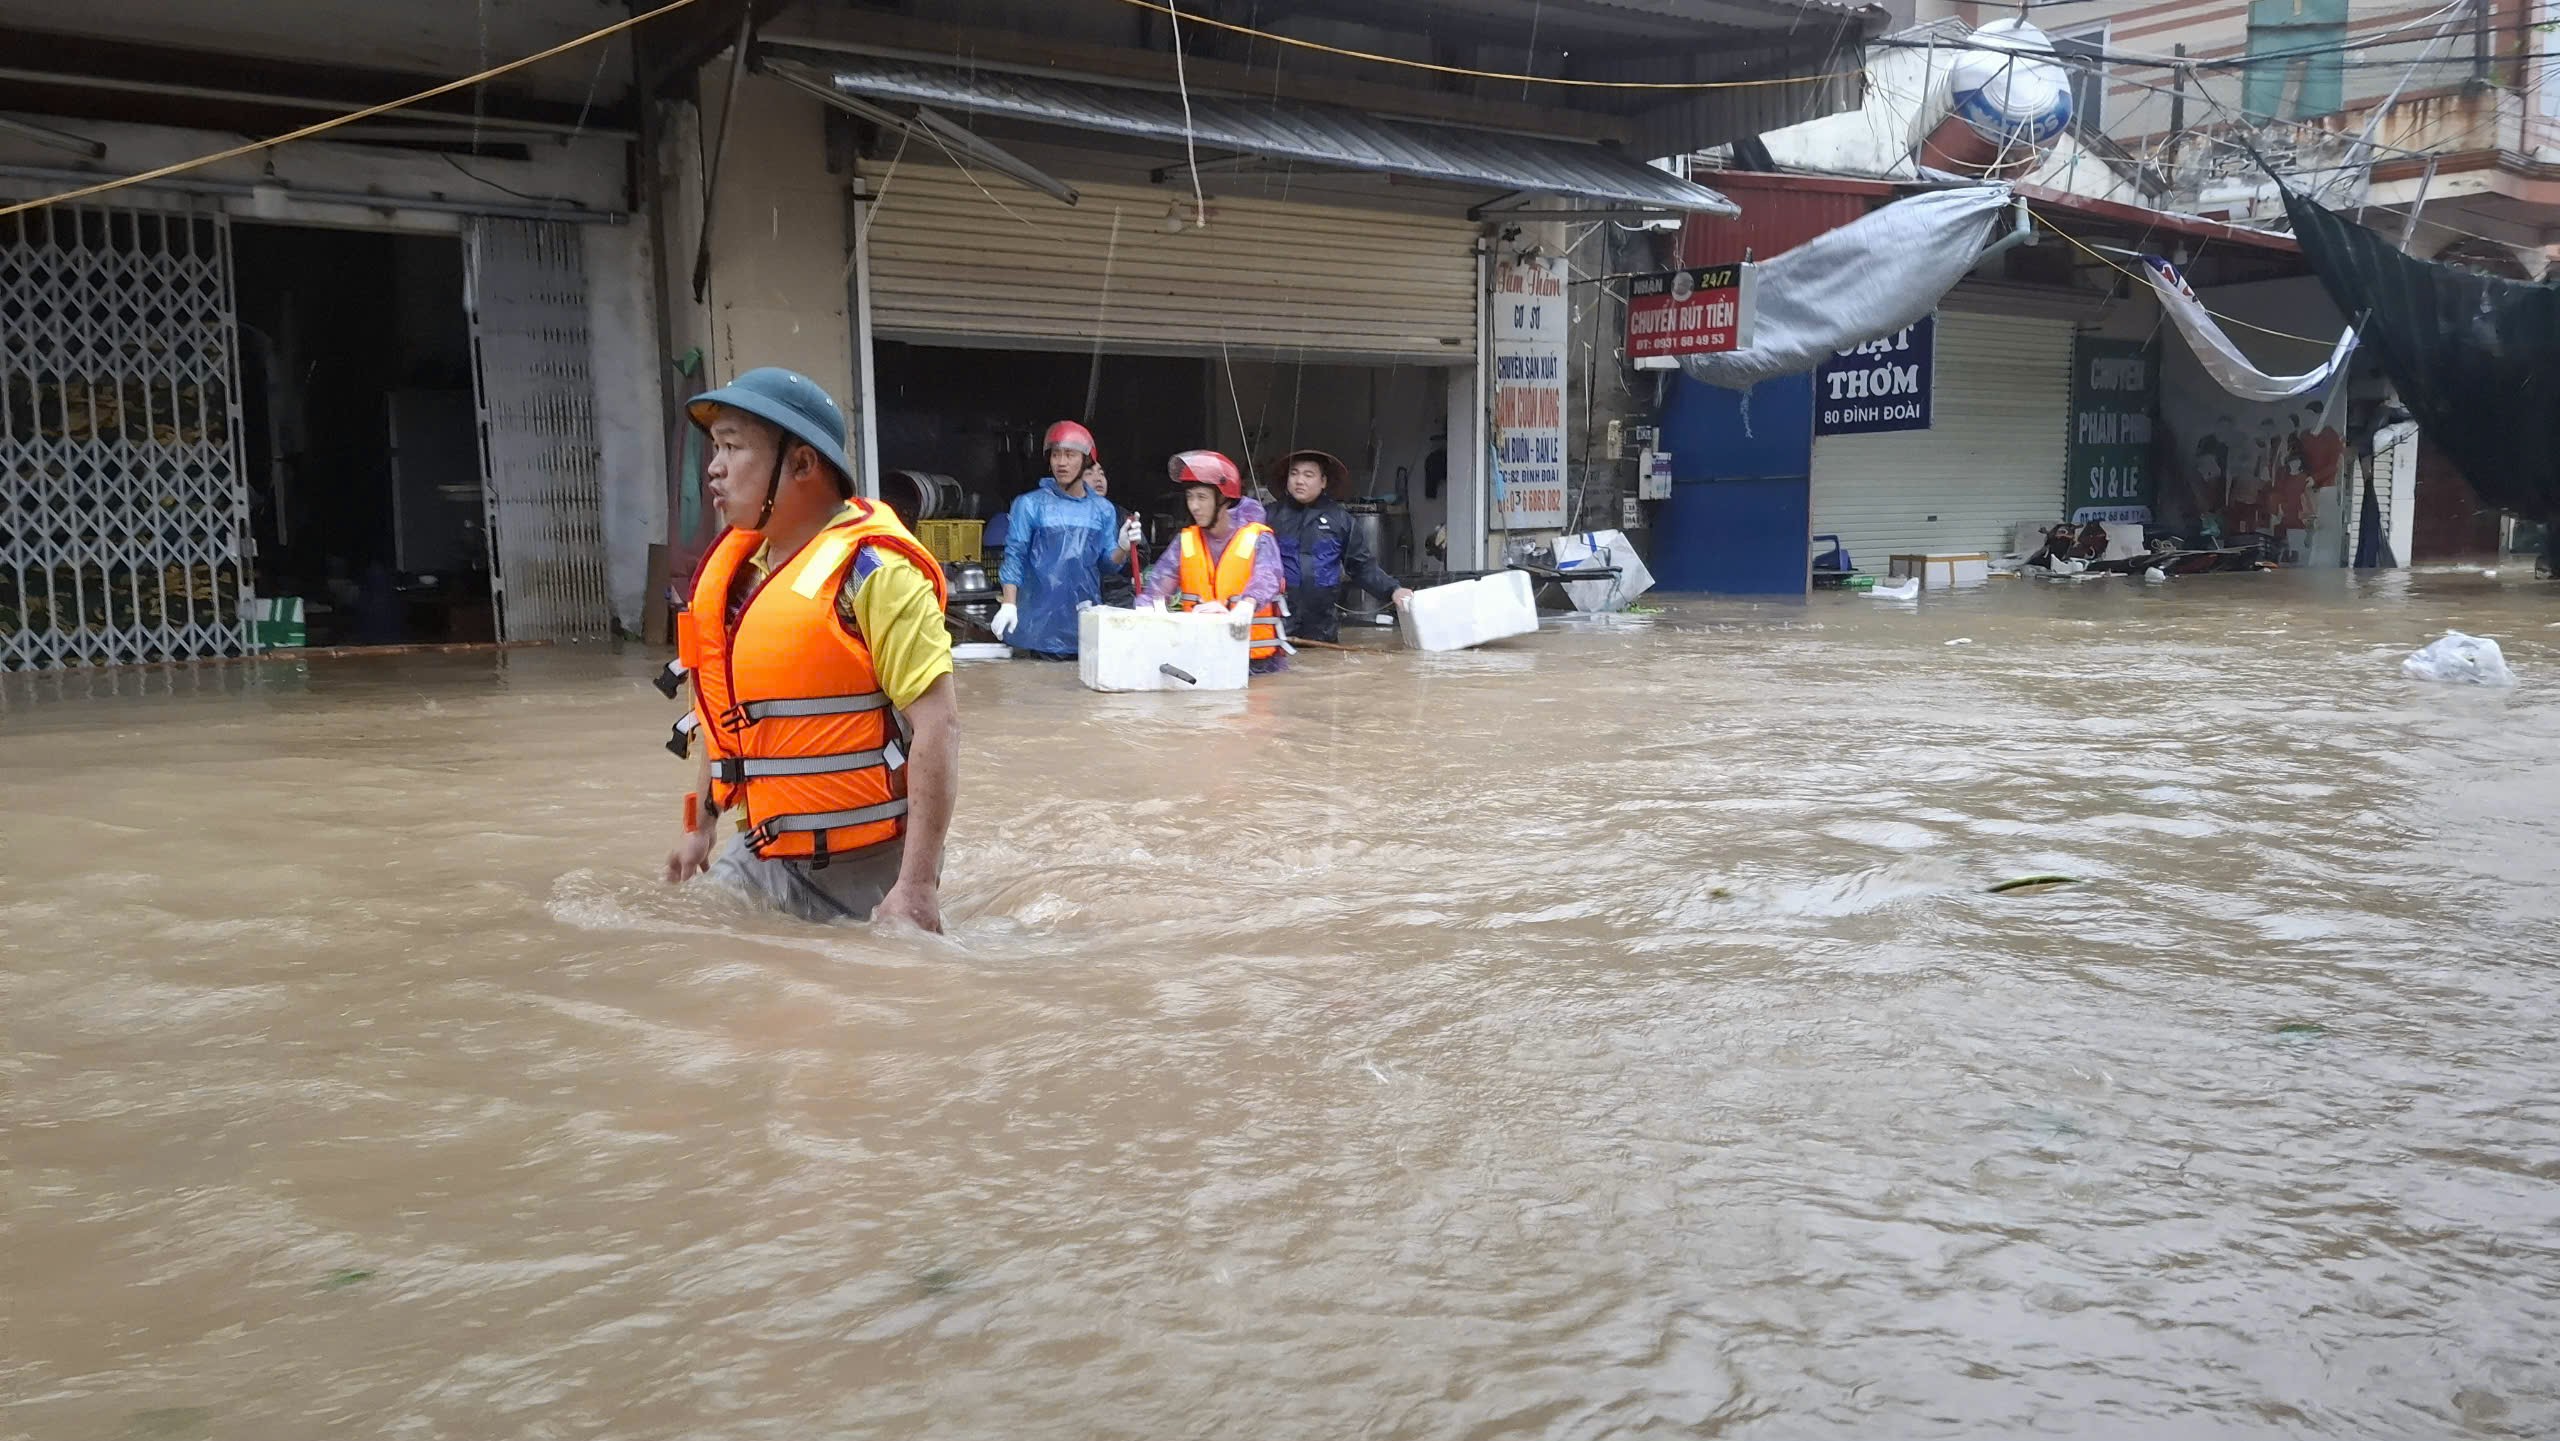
<point x="821" y="672"/>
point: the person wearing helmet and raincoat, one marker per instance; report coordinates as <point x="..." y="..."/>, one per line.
<point x="821" y="671"/>
<point x="1227" y="560"/>
<point x="1322" y="550"/>
<point x="1061" y="539"/>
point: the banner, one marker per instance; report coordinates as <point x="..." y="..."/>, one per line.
<point x="2221" y="359"/>
<point x="2115" y="391"/>
<point x="1700" y="311"/>
<point x="1530" y="317"/>
<point x="1878" y="385"/>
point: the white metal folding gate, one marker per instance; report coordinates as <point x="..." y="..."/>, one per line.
<point x="527" y="296"/>
<point x="124" y="517"/>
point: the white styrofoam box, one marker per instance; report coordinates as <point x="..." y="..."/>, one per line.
<point x="1470" y="612"/>
<point x="1120" y="650"/>
<point x="1603" y="548"/>
<point x="1944" y="572"/>
<point x="2124" y="540"/>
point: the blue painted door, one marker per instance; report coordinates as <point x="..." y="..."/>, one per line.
<point x="1740" y="518"/>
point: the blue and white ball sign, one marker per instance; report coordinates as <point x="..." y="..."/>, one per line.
<point x="1882" y="385"/>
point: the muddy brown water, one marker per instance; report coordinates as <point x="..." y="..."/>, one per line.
<point x="1604" y="1034"/>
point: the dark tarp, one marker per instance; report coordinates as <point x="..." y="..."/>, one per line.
<point x="2373" y="550"/>
<point x="2475" y="358"/>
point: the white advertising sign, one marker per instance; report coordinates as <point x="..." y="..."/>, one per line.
<point x="1530" y="314"/>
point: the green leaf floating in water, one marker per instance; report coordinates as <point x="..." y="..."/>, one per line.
<point x="938" y="1280"/>
<point x="2302" y="1028"/>
<point x="2033" y="885"/>
<point x="340" y="1280"/>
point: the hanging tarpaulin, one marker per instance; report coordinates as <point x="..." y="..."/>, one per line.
<point x="1870" y="277"/>
<point x="2475" y="358"/>
<point x="2221" y="359"/>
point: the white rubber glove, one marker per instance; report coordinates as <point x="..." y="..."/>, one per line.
<point x="1208" y="607"/>
<point x="1006" y="619"/>
<point x="1131" y="532"/>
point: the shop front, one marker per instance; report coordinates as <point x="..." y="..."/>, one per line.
<point x="376" y="388"/>
<point x="1281" y="324"/>
<point x="1318" y="281"/>
<point x="1958" y="473"/>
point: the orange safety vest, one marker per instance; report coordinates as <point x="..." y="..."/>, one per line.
<point x="1233" y="573"/>
<point x="800" y="733"/>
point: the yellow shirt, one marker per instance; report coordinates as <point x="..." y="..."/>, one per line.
<point x="890" y="604"/>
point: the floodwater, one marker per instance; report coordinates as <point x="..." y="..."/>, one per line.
<point x="1605" y="1034"/>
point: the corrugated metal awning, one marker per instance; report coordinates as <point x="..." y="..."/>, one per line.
<point x="1275" y="129"/>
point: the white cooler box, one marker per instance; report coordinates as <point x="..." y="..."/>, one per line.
<point x="1960" y="571"/>
<point x="1120" y="650"/>
<point x="1470" y="612"/>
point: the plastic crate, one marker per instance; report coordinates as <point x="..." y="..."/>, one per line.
<point x="951" y="540"/>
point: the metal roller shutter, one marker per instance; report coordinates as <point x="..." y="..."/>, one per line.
<point x="1993" y="456"/>
<point x="527" y="299"/>
<point x="1263" y="277"/>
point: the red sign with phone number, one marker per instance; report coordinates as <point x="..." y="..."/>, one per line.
<point x="1699" y="311"/>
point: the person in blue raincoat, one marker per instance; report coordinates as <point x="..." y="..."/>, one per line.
<point x="1062" y="538"/>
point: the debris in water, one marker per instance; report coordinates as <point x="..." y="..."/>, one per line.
<point x="2033" y="885"/>
<point x="2302" y="1028"/>
<point x="939" y="1280"/>
<point x="2459" y="659"/>
<point x="1961" y="640"/>
<point x="1720" y="894"/>
<point x="340" y="1280"/>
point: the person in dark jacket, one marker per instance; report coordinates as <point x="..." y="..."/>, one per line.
<point x="1118" y="589"/>
<point x="1321" y="547"/>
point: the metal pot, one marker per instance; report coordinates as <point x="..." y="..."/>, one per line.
<point x="974" y="597"/>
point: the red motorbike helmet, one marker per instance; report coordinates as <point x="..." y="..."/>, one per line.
<point x="1207" y="467"/>
<point x="1067" y="435"/>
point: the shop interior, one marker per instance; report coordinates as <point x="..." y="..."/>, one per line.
<point x="960" y="432"/>
<point x="360" y="438"/>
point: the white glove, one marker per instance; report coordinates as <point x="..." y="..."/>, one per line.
<point x="1208" y="607"/>
<point x="1006" y="619"/>
<point x="1131" y="532"/>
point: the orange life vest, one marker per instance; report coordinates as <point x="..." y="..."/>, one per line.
<point x="1232" y="574"/>
<point x="800" y="733"/>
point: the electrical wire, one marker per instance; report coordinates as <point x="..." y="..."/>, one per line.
<point x="324" y="126"/>
<point x="1190" y="144"/>
<point x="2112" y="263"/>
<point x="963" y="166"/>
<point x="1467" y="72"/>
<point x="503" y="189"/>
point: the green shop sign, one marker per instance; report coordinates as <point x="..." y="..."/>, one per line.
<point x="2115" y="390"/>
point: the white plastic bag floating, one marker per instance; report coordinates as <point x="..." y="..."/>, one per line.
<point x="1603" y="548"/>
<point x="2460" y="659"/>
<point x="1907" y="588"/>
